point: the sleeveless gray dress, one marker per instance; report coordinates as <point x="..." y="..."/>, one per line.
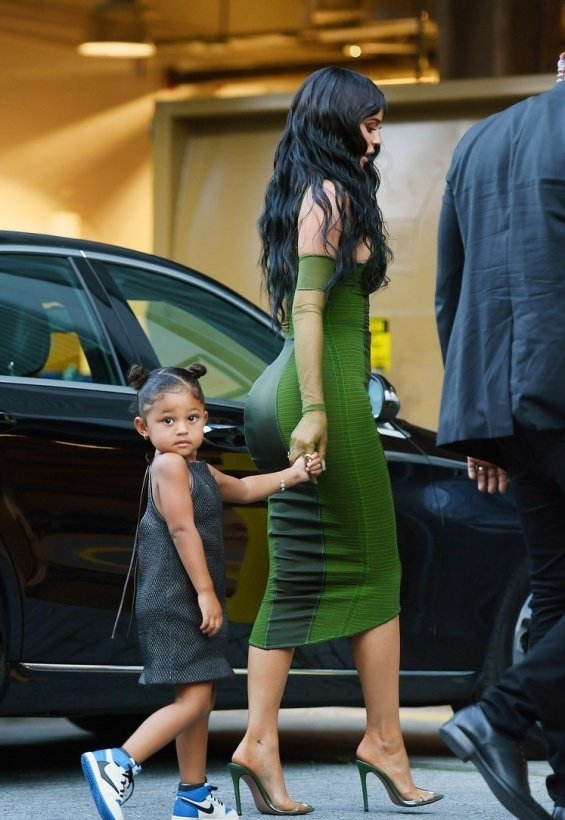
<point x="173" y="649"/>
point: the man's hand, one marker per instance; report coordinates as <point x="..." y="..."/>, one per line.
<point x="489" y="477"/>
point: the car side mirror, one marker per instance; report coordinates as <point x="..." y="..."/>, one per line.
<point x="383" y="397"/>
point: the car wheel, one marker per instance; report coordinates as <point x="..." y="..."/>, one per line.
<point x="535" y="746"/>
<point x="508" y="638"/>
<point x="508" y="645"/>
<point x="522" y="631"/>
<point x="3" y="651"/>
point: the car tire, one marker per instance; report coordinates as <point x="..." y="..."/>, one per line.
<point x="535" y="745"/>
<point x="522" y="631"/>
<point x="508" y="644"/>
<point x="503" y="647"/>
<point x="4" y="672"/>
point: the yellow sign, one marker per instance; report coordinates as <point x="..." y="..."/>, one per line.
<point x="380" y="344"/>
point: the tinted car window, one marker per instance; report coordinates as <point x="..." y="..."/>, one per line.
<point x="186" y="323"/>
<point x="47" y="325"/>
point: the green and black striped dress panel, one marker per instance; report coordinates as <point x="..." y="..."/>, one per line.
<point x="334" y="569"/>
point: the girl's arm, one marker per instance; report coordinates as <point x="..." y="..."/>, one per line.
<point x="255" y="487"/>
<point x="170" y="482"/>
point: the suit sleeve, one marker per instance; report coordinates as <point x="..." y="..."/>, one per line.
<point x="450" y="262"/>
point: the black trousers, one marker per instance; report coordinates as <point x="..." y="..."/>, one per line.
<point x="534" y="690"/>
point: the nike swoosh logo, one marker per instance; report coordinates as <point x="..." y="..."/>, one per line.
<point x="199" y="806"/>
<point x="107" y="779"/>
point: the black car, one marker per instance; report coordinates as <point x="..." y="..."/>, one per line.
<point x="74" y="316"/>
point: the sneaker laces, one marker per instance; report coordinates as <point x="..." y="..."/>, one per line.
<point x="214" y="799"/>
<point x="127" y="785"/>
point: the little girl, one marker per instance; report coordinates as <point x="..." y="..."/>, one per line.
<point x="179" y="602"/>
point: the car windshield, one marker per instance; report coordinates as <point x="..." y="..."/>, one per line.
<point x="187" y="323"/>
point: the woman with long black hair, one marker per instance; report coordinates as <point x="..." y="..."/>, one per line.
<point x="334" y="566"/>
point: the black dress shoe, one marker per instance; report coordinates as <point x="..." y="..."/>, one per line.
<point x="559" y="813"/>
<point x="499" y="759"/>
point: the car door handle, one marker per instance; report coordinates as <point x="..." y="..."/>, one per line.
<point x="230" y="436"/>
<point x="218" y="432"/>
<point x="7" y="421"/>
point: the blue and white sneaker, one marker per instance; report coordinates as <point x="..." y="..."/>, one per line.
<point x="200" y="803"/>
<point x="109" y="774"/>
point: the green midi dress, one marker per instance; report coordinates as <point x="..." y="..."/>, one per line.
<point x="334" y="569"/>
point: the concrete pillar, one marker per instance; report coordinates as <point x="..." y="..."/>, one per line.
<point x="497" y="38"/>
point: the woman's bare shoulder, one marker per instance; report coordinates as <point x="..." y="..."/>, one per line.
<point x="311" y="220"/>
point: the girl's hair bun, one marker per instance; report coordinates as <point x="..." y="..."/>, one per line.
<point x="136" y="376"/>
<point x="197" y="370"/>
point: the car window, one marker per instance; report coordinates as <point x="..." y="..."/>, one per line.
<point x="47" y="326"/>
<point x="185" y="323"/>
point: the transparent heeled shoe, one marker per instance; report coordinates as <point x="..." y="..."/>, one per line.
<point x="260" y="794"/>
<point x="391" y="788"/>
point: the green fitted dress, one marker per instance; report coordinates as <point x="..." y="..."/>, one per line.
<point x="334" y="569"/>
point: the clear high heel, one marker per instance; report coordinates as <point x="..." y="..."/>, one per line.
<point x="392" y="791"/>
<point x="259" y="793"/>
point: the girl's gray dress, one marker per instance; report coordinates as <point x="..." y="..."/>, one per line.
<point x="174" y="651"/>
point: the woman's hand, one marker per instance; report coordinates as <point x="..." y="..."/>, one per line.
<point x="489" y="477"/>
<point x="309" y="436"/>
<point x="308" y="467"/>
<point x="212" y="615"/>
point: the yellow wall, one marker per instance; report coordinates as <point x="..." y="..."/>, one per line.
<point x="75" y="150"/>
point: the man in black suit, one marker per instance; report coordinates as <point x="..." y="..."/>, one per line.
<point x="500" y="307"/>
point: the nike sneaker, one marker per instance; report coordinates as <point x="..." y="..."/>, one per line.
<point x="109" y="774"/>
<point x="201" y="803"/>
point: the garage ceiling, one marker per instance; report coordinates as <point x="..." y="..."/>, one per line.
<point x="219" y="39"/>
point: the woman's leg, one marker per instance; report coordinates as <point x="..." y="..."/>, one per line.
<point x="259" y="749"/>
<point x="377" y="658"/>
<point x="187" y="716"/>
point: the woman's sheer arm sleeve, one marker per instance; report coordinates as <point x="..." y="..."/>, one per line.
<point x="314" y="272"/>
<point x="307" y="318"/>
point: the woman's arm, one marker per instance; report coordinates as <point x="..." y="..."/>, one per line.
<point x="311" y="221"/>
<point x="307" y="318"/>
<point x="170" y="481"/>
<point x="310" y="434"/>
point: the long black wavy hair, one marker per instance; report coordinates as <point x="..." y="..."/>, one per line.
<point x="322" y="141"/>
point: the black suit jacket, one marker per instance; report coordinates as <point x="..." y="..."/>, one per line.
<point x="500" y="295"/>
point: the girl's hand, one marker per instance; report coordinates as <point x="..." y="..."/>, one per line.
<point x="309" y="436"/>
<point x="212" y="615"/>
<point x="308" y="467"/>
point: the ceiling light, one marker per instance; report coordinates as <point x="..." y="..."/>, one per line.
<point x="117" y="29"/>
<point x="353" y="51"/>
